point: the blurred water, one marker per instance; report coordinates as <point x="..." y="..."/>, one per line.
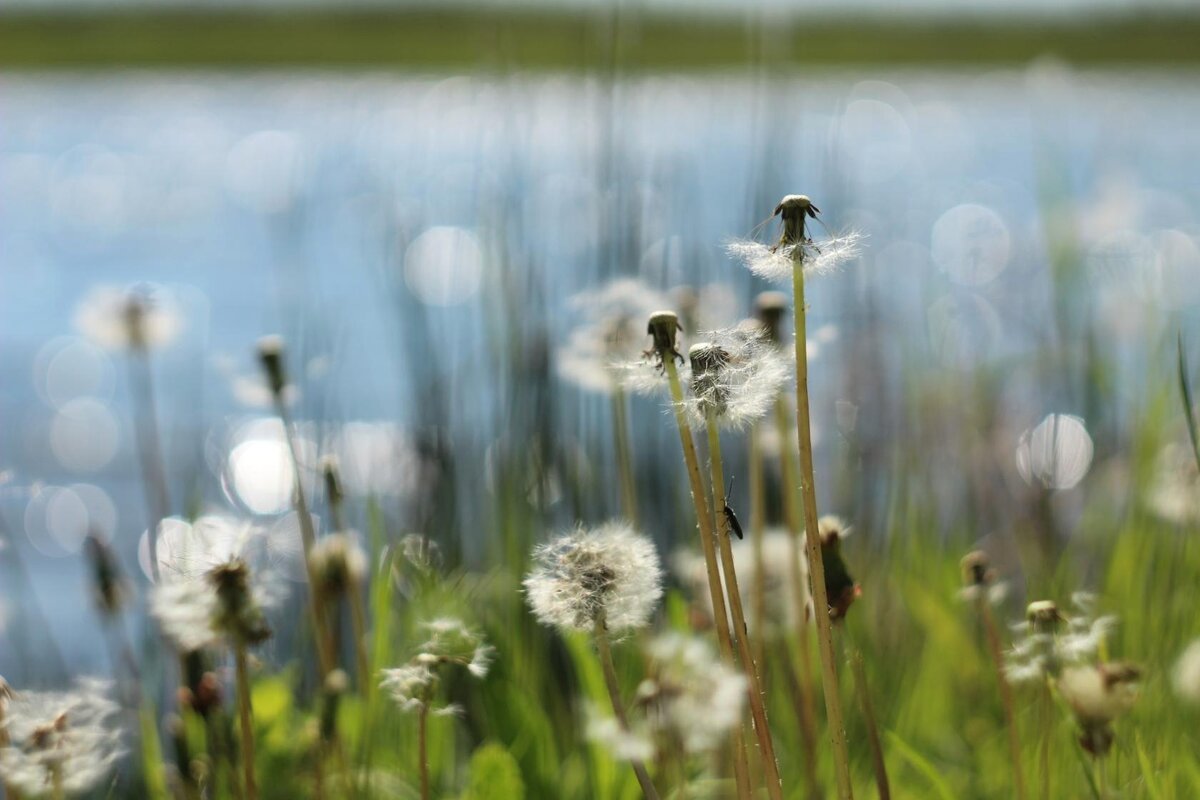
<point x="416" y="240"/>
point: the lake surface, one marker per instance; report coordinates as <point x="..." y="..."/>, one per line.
<point x="416" y="239"/>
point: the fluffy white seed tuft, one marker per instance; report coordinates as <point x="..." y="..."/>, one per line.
<point x="775" y="263"/>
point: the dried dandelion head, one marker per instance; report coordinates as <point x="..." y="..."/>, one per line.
<point x="795" y="248"/>
<point x="1098" y="694"/>
<point x="609" y="575"/>
<point x="66" y="741"/>
<point x="770" y="309"/>
<point x="138" y="318"/>
<point x="610" y="334"/>
<point x="735" y="378"/>
<point x="237" y="615"/>
<point x="414" y="686"/>
<point x="663" y="329"/>
<point x="1050" y="640"/>
<point x="339" y="564"/>
<point x="841" y="590"/>
<point x="979" y="579"/>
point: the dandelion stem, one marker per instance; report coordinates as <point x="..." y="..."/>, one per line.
<point x="833" y="701"/>
<point x="868" y="712"/>
<point x="358" y="623"/>
<point x="704" y="522"/>
<point x="308" y="538"/>
<point x="154" y="474"/>
<point x="600" y="632"/>
<point x="721" y="526"/>
<point x="808" y="716"/>
<point x="423" y="749"/>
<point x="246" y="718"/>
<point x="1046" y="715"/>
<point x="624" y="456"/>
<point x="1006" y="698"/>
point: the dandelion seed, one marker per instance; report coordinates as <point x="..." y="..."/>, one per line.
<point x="736" y="376"/>
<point x="139" y="318"/>
<point x="610" y="573"/>
<point x="61" y="743"/>
<point x="1186" y="677"/>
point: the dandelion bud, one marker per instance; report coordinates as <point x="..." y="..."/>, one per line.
<point x="270" y="356"/>
<point x="610" y="575"/>
<point x="769" y="310"/>
<point x="1044" y="616"/>
<point x="107" y="580"/>
<point x="1098" y="695"/>
<point x="663" y="328"/>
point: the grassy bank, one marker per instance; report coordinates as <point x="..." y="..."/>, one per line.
<point x="548" y="40"/>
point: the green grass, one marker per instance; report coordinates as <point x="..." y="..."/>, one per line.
<point x="490" y="39"/>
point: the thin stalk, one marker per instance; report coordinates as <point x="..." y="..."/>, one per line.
<point x="868" y="712"/>
<point x="358" y="623"/>
<point x="704" y="522"/>
<point x="758" y="709"/>
<point x="9" y="791"/>
<point x="1046" y="716"/>
<point x="57" y="789"/>
<point x="246" y="718"/>
<point x="423" y="750"/>
<point x="758" y="504"/>
<point x="154" y="473"/>
<point x="308" y="538"/>
<point x="604" y="648"/>
<point x="808" y="487"/>
<point x="624" y="456"/>
<point x="800" y="590"/>
<point x="1006" y="697"/>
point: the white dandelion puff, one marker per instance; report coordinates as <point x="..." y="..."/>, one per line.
<point x="1048" y="640"/>
<point x="735" y="376"/>
<point x="609" y="335"/>
<point x="610" y="574"/>
<point x="140" y="317"/>
<point x="66" y="741"/>
<point x="629" y="745"/>
<point x="776" y="262"/>
<point x="1186" y="676"/>
<point x="413" y="686"/>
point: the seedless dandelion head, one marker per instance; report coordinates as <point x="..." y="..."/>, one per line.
<point x="138" y="318"/>
<point x="66" y="737"/>
<point x="735" y="376"/>
<point x="271" y="358"/>
<point x="610" y="573"/>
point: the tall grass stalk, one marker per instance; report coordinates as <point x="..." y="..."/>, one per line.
<point x="808" y="487"/>
<point x="704" y="522"/>
<point x="423" y="750"/>
<point x="246" y="719"/>
<point x="150" y="458"/>
<point x="604" y="649"/>
<point x="721" y="526"/>
<point x="996" y="651"/>
<point x="354" y="592"/>
<point x="800" y="591"/>
<point x="624" y="456"/>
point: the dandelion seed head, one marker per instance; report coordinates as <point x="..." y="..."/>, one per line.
<point x="422" y="552"/>
<point x="690" y="694"/>
<point x="452" y="642"/>
<point x="141" y="317"/>
<point x="609" y="335"/>
<point x="776" y="263"/>
<point x="610" y="573"/>
<point x="1186" y="676"/>
<point x="411" y="686"/>
<point x="339" y="563"/>
<point x="69" y="736"/>
<point x="736" y="376"/>
<point x="1048" y="641"/>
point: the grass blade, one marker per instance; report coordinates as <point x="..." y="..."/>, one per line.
<point x="1185" y="388"/>
<point x="922" y="765"/>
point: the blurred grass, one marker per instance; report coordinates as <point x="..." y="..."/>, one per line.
<point x="548" y="39"/>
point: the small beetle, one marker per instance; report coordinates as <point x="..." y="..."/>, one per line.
<point x="730" y="517"/>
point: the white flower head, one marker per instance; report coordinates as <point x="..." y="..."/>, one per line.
<point x="735" y="376"/>
<point x="610" y="574"/>
<point x="610" y="334"/>
<point x="1174" y="493"/>
<point x="339" y="563"/>
<point x="414" y="686"/>
<point x="66" y="737"/>
<point x="1186" y="676"/>
<point x="218" y="581"/>
<point x="140" y="317"/>
<point x="690" y="692"/>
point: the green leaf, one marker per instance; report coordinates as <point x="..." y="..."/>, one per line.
<point x="494" y="775"/>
